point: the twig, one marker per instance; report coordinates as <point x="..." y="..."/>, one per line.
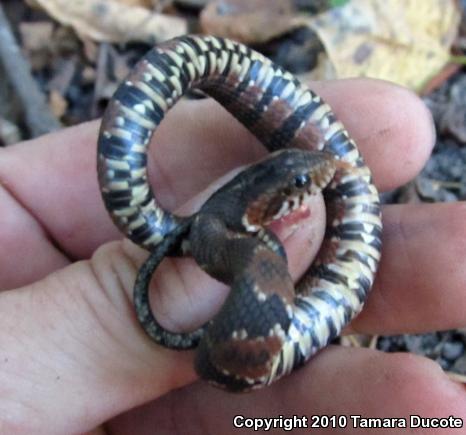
<point x="39" y="118"/>
<point x="353" y="341"/>
<point x="446" y="184"/>
<point x="456" y="377"/>
<point x="373" y="342"/>
<point x="102" y="61"/>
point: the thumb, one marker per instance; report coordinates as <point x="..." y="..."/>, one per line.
<point x="73" y="354"/>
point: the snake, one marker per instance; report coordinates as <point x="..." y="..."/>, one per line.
<point x="267" y="326"/>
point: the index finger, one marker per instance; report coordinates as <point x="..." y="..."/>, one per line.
<point x="51" y="181"/>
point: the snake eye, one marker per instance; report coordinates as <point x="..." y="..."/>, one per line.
<point x="302" y="180"/>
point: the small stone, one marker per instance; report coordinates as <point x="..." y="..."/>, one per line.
<point x="452" y="350"/>
<point x="384" y="344"/>
<point x="426" y="344"/>
<point x="394" y="343"/>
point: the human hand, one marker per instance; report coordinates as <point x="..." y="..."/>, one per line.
<point x="73" y="355"/>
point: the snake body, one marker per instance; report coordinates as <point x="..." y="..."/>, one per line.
<point x="266" y="327"/>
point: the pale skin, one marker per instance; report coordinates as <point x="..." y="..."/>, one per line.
<point x="72" y="357"/>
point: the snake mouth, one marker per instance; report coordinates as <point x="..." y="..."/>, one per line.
<point x="254" y="222"/>
<point x="291" y="204"/>
<point x="288" y="207"/>
<point x="264" y="215"/>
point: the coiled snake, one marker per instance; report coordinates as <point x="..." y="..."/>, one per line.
<point x="266" y="327"/>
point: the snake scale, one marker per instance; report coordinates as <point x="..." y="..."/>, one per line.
<point x="267" y="326"/>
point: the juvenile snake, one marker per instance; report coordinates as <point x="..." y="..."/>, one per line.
<point x="266" y="327"/>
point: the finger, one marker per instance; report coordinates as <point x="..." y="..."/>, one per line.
<point x="23" y="259"/>
<point x="421" y="280"/>
<point x="378" y="115"/>
<point x="338" y="381"/>
<point x="391" y="125"/>
<point x="54" y="177"/>
<point x="418" y="287"/>
<point x="72" y="354"/>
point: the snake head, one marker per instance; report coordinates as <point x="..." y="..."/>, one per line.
<point x="282" y="183"/>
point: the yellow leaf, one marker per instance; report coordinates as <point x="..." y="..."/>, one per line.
<point x="404" y="41"/>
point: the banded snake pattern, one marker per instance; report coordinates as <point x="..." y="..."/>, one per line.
<point x="266" y="327"/>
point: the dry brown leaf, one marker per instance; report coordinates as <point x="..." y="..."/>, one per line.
<point x="250" y="22"/>
<point x="404" y="41"/>
<point x="112" y="21"/>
